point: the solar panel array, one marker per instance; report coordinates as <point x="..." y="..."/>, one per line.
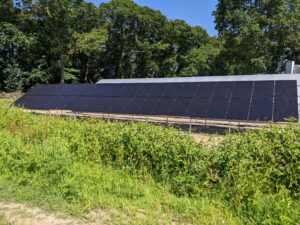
<point x="239" y="100"/>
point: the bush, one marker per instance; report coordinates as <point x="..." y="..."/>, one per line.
<point x="254" y="174"/>
<point x="141" y="149"/>
<point x="258" y="173"/>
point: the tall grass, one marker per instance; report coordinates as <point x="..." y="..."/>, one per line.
<point x="148" y="174"/>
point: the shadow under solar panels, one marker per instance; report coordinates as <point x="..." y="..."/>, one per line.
<point x="285" y="103"/>
<point x="239" y="104"/>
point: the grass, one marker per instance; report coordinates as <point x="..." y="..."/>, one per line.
<point x="3" y="221"/>
<point x="145" y="174"/>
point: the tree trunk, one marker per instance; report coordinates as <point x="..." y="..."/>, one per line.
<point x="87" y="71"/>
<point x="62" y="69"/>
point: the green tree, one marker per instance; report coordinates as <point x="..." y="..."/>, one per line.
<point x="202" y="60"/>
<point x="137" y="40"/>
<point x="184" y="39"/>
<point x="57" y="20"/>
<point x="258" y="34"/>
<point x="15" y="46"/>
<point x="89" y="47"/>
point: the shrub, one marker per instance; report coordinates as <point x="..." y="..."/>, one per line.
<point x="258" y="173"/>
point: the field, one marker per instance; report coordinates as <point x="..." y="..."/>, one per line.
<point x="101" y="172"/>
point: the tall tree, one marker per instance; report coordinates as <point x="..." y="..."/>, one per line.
<point x="184" y="39"/>
<point x="258" y="34"/>
<point x="57" y="20"/>
<point x="136" y="44"/>
<point x="89" y="47"/>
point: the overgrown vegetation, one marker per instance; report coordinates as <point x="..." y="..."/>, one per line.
<point x="146" y="174"/>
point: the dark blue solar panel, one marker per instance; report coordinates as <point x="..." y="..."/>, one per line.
<point x="188" y="90"/>
<point x="198" y="107"/>
<point x="115" y="90"/>
<point x="239" y="103"/>
<point x="205" y="89"/>
<point x="163" y="106"/>
<point x="285" y="103"/>
<point x="158" y="90"/>
<point x="181" y="107"/>
<point x="252" y="100"/>
<point x="148" y="106"/>
<point x="102" y="105"/>
<point x="220" y="100"/>
<point x="261" y="106"/>
<point x="118" y="104"/>
<point x="261" y="109"/>
<point x="143" y="90"/>
<point x="133" y="105"/>
<point x="172" y="90"/>
<point x="130" y="90"/>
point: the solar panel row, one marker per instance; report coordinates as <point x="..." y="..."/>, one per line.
<point x="240" y="100"/>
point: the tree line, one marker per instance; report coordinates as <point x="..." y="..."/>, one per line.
<point x="52" y="41"/>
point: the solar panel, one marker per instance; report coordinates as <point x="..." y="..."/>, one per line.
<point x="163" y="106"/>
<point x="236" y="100"/>
<point x="148" y="106"/>
<point x="133" y="105"/>
<point x="172" y="90"/>
<point x="181" y="107"/>
<point x="239" y="103"/>
<point x="198" y="107"/>
<point x="143" y="90"/>
<point x="102" y="105"/>
<point x="220" y="100"/>
<point x="261" y="106"/>
<point x="285" y="104"/>
<point x="187" y="90"/>
<point x="158" y="90"/>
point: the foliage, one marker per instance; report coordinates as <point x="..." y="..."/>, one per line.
<point x="258" y="34"/>
<point x="41" y="41"/>
<point x="250" y="178"/>
<point x="3" y="220"/>
<point x="258" y="173"/>
<point x="120" y="39"/>
<point x="67" y="165"/>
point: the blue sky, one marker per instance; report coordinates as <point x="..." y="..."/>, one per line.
<point x="194" y="12"/>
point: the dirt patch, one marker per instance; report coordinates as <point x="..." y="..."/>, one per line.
<point x="20" y="214"/>
<point x="209" y="141"/>
<point x="14" y="95"/>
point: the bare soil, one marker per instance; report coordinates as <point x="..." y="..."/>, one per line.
<point x="21" y="214"/>
<point x="207" y="140"/>
<point x="13" y="95"/>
